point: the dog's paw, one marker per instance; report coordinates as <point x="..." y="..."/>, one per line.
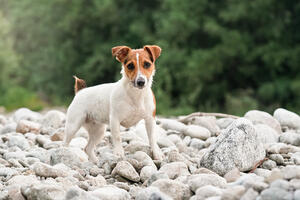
<point x="119" y="151"/>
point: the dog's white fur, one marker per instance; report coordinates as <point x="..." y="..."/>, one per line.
<point x="113" y="104"/>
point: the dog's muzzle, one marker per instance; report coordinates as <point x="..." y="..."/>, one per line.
<point x="140" y="82"/>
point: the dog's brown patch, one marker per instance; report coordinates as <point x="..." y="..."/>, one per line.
<point x="79" y="84"/>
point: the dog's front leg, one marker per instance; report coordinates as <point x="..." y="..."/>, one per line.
<point x="115" y="134"/>
<point x="150" y="127"/>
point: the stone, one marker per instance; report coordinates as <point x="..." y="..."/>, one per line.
<point x="155" y="176"/>
<point x="43" y="191"/>
<point x="260" y="117"/>
<point x="251" y="181"/>
<point x="199" y="180"/>
<point x="170" y="124"/>
<point x="25" y="126"/>
<point x="152" y="193"/>
<point x="287" y="118"/>
<point x="197" y="144"/>
<point x="175" y="169"/>
<point x="275" y="174"/>
<point x="19" y="155"/>
<point x="68" y="156"/>
<point x="79" y="142"/>
<point x="275" y="194"/>
<point x="232" y="175"/>
<point x="175" y="189"/>
<point x="210" y="123"/>
<point x="266" y="134"/>
<point x="126" y="170"/>
<point x="197" y="132"/>
<point x="277" y="158"/>
<point x="75" y="193"/>
<point x="19" y="141"/>
<point x="296" y="158"/>
<point x="297" y="195"/>
<point x="223" y="123"/>
<point x="233" y="193"/>
<point x="135" y="146"/>
<point x="110" y="193"/>
<point x="295" y="183"/>
<point x="147" y="172"/>
<point x="143" y="158"/>
<point x="164" y="142"/>
<point x="290" y="138"/>
<point x="186" y="140"/>
<point x="262" y="172"/>
<point x="269" y="164"/>
<point x="45" y="170"/>
<point x="26" y="114"/>
<point x="290" y="172"/>
<point x="250" y="195"/>
<point x="9" y="128"/>
<point x="58" y="135"/>
<point x="236" y="147"/>
<point x="207" y="191"/>
<point x="3" y="120"/>
<point x="280" y="183"/>
<point x="42" y="154"/>
<point x="54" y="119"/>
<point x="96" y="182"/>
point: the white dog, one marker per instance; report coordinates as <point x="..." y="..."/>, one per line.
<point x="125" y="102"/>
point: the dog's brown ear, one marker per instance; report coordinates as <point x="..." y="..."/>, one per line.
<point x="153" y="50"/>
<point x="120" y="52"/>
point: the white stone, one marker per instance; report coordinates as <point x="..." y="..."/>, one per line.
<point x="287" y="118"/>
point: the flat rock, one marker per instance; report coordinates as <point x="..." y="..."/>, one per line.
<point x="210" y="123"/>
<point x="175" y="189"/>
<point x="25" y="126"/>
<point x="260" y="117"/>
<point x="152" y="193"/>
<point x="236" y="147"/>
<point x="199" y="180"/>
<point x="197" y="132"/>
<point x="126" y="170"/>
<point x="110" y="193"/>
<point x="43" y="191"/>
<point x="207" y="191"/>
<point x="68" y="156"/>
<point x="287" y="118"/>
<point x="45" y="170"/>
<point x="170" y="124"/>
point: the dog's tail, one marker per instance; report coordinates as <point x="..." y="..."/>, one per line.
<point x="79" y="84"/>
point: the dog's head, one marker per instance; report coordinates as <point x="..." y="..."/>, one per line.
<point x="138" y="64"/>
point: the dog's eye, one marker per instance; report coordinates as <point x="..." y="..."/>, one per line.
<point x="130" y="66"/>
<point x="147" y="65"/>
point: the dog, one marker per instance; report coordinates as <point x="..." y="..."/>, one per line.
<point x="125" y="102"/>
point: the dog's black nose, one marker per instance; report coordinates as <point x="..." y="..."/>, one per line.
<point x="140" y="82"/>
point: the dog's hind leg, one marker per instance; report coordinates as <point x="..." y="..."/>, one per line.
<point x="96" y="133"/>
<point x="72" y="126"/>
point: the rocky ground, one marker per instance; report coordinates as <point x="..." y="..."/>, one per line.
<point x="254" y="157"/>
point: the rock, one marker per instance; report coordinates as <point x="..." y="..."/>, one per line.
<point x="110" y="193"/>
<point x="269" y="164"/>
<point x="147" y="172"/>
<point x="262" y="172"/>
<point x="26" y="114"/>
<point x="170" y="124"/>
<point x="68" y="156"/>
<point x="157" y="175"/>
<point x="175" y="169"/>
<point x="251" y="181"/>
<point x="296" y="158"/>
<point x="233" y="193"/>
<point x="237" y="146"/>
<point x="199" y="180"/>
<point x="210" y="123"/>
<point x="250" y="195"/>
<point x="45" y="170"/>
<point x="290" y="138"/>
<point x="260" y="117"/>
<point x="79" y="142"/>
<point x="152" y="193"/>
<point x="275" y="174"/>
<point x="3" y="120"/>
<point x="281" y="148"/>
<point x="126" y="170"/>
<point x="280" y="183"/>
<point x="287" y="118"/>
<point x="207" y="191"/>
<point x="297" y="195"/>
<point x="7" y="172"/>
<point x="277" y="158"/>
<point x="96" y="182"/>
<point x="9" y="128"/>
<point x="176" y="190"/>
<point x="290" y="172"/>
<point x="197" y="144"/>
<point x="19" y="141"/>
<point x="266" y="134"/>
<point x="186" y="140"/>
<point x="58" y="135"/>
<point x="164" y="142"/>
<point x="232" y="175"/>
<point x="43" y="191"/>
<point x="295" y="183"/>
<point x="276" y="194"/>
<point x="19" y="155"/>
<point x="223" y="123"/>
<point x="54" y="119"/>
<point x="197" y="132"/>
<point x="143" y="158"/>
<point x="75" y="193"/>
<point x="40" y="153"/>
<point x="122" y="185"/>
<point x="25" y="126"/>
<point x="135" y="146"/>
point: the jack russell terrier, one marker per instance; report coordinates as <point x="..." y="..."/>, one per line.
<point x="124" y="102"/>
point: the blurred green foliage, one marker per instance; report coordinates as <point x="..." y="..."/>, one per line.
<point x="228" y="56"/>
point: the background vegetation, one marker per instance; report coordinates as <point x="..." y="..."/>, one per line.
<point x="228" y="56"/>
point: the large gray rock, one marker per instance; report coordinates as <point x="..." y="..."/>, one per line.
<point x="174" y="189"/>
<point x="110" y="193"/>
<point x="237" y="146"/>
<point x="287" y="118"/>
<point x="260" y="117"/>
<point x="152" y="193"/>
<point x="126" y="170"/>
<point x="199" y="180"/>
<point x="175" y="169"/>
